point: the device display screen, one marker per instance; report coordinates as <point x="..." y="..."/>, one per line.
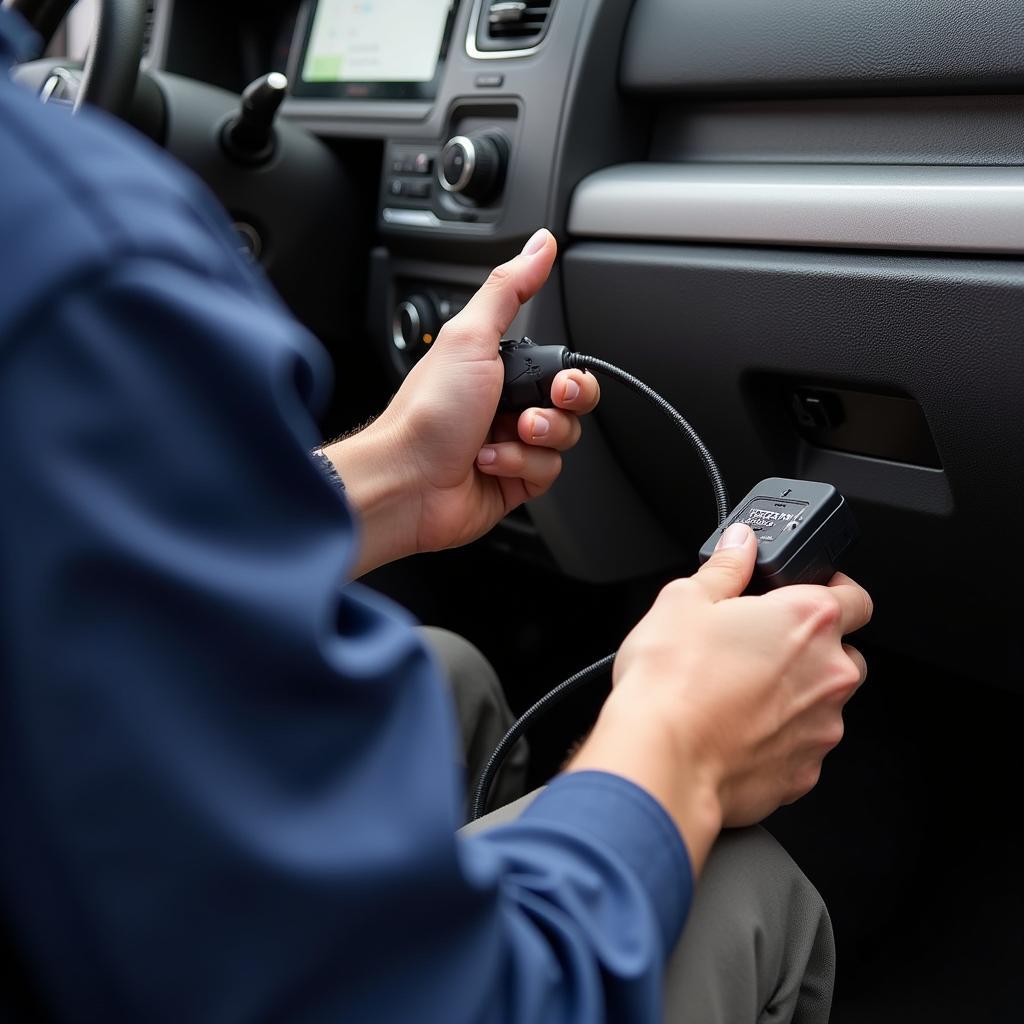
<point x="374" y="49"/>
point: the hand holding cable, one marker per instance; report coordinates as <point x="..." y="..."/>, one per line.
<point x="531" y="369"/>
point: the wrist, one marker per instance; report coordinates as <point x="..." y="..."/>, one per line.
<point x="380" y="490"/>
<point x="639" y="744"/>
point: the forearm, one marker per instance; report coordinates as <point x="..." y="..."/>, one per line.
<point x="631" y="743"/>
<point x="594" y="875"/>
<point x="371" y="468"/>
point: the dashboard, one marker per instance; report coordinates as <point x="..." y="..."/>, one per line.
<point x="803" y="224"/>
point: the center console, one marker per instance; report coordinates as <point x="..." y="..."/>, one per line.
<point x="489" y="113"/>
<point x="469" y="98"/>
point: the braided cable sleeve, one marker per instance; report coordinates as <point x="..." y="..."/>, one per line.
<point x="595" y="365"/>
<point x="491" y="769"/>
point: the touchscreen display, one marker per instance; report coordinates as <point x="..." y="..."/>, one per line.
<point x="375" y="42"/>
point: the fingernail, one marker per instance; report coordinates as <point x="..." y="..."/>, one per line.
<point x="735" y="537"/>
<point x="487" y="457"/>
<point x="572" y="391"/>
<point x="540" y="425"/>
<point x="537" y="242"/>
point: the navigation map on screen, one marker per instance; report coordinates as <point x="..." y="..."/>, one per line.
<point x="375" y="40"/>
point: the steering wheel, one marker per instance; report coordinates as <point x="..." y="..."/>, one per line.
<point x="112" y="67"/>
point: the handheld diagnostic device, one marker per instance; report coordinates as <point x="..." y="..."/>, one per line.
<point x="803" y="529"/>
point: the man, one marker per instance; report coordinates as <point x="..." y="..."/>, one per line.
<point x="227" y="784"/>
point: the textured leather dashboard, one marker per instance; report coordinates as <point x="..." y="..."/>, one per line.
<point x="763" y="47"/>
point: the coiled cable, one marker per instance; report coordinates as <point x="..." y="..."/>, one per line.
<point x="549" y="700"/>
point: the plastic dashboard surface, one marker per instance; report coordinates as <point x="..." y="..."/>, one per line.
<point x="734" y="47"/>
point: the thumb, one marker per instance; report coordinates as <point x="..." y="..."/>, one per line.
<point x="727" y="572"/>
<point x="478" y="328"/>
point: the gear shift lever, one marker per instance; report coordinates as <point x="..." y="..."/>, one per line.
<point x="249" y="137"/>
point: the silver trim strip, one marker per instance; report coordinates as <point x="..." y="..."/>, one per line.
<point x="478" y="54"/>
<point x="410" y="218"/>
<point x="974" y="209"/>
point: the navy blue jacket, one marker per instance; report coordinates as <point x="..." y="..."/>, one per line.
<point x="226" y="782"/>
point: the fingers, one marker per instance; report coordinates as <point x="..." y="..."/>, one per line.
<point x="575" y="393"/>
<point x="549" y="428"/>
<point x="478" y="328"/>
<point x="855" y="605"/>
<point x="537" y="467"/>
<point x="858" y="660"/>
<point x="843" y="605"/>
<point x="727" y="572"/>
<point x="575" y="390"/>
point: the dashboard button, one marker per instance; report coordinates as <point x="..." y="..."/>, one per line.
<point x="417" y="189"/>
<point x="396" y="187"/>
<point x="415" y="325"/>
<point x="474" y="165"/>
<point x="454" y="164"/>
<point x="422" y="163"/>
<point x="490" y="80"/>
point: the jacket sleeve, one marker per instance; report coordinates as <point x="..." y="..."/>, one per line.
<point x="228" y="793"/>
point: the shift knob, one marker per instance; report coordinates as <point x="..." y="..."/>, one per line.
<point x="249" y="136"/>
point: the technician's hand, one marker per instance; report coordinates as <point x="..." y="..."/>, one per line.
<point x="724" y="707"/>
<point x="438" y="469"/>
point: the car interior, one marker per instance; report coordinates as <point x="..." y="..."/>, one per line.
<point x="803" y="224"/>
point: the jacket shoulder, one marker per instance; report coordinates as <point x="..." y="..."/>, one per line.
<point x="82" y="192"/>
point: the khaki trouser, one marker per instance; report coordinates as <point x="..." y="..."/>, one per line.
<point x="758" y="943"/>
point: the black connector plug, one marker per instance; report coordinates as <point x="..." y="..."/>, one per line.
<point x="530" y="370"/>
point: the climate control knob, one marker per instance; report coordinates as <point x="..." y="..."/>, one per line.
<point x="474" y="165"/>
<point x="415" y="324"/>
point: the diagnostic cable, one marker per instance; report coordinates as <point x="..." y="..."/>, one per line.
<point x="803" y="528"/>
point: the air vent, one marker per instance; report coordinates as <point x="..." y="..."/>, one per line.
<point x="511" y="26"/>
